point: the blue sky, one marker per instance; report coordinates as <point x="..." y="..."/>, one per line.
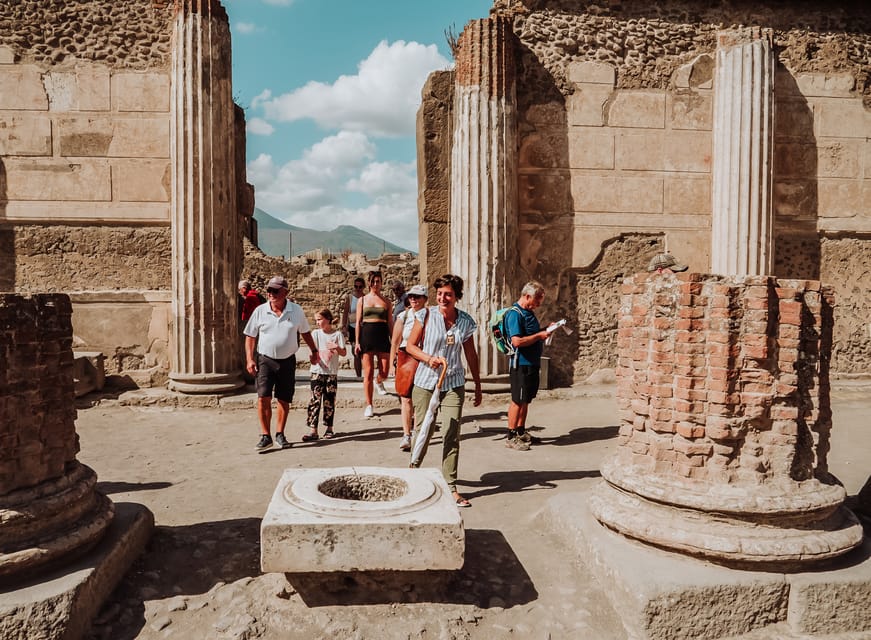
<point x="330" y="90"/>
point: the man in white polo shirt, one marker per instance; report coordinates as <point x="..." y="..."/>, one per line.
<point x="274" y="328"/>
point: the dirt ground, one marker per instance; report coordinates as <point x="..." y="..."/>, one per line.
<point x="198" y="472"/>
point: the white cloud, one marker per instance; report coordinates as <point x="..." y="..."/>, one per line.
<point x="259" y="127"/>
<point x="246" y="28"/>
<point x="381" y="99"/>
<point x="264" y="95"/>
<point x="319" y="190"/>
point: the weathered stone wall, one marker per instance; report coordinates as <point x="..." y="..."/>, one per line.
<point x="133" y="34"/>
<point x="615" y="103"/>
<point x="317" y="283"/>
<point x="434" y="136"/>
<point x="37" y="416"/>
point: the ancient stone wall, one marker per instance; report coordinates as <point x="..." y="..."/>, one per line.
<point x="325" y="282"/>
<point x="37" y="416"/>
<point x="615" y="133"/>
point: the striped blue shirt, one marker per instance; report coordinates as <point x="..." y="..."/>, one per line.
<point x="435" y="343"/>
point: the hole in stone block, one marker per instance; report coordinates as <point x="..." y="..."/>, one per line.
<point x="365" y="488"/>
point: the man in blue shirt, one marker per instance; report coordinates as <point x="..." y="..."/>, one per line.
<point x="527" y="337"/>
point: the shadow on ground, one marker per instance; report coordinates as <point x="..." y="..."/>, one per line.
<point x="514" y="481"/>
<point x="491" y="576"/>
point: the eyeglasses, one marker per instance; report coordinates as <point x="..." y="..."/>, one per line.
<point x="274" y="292"/>
<point x="358" y="286"/>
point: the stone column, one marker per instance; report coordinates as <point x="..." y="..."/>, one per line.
<point x="49" y="510"/>
<point x="483" y="219"/>
<point x="723" y="395"/>
<point x="206" y="245"/>
<point x="741" y="233"/>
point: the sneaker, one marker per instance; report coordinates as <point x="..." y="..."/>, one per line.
<point x="527" y="438"/>
<point x="281" y="441"/>
<point x="517" y="444"/>
<point x="265" y="442"/>
<point x="367" y="412"/>
<point x="405" y="443"/>
<point x="379" y="387"/>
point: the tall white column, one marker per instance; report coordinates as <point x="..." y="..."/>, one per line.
<point x="483" y="220"/>
<point x="742" y="222"/>
<point x="206" y="246"/>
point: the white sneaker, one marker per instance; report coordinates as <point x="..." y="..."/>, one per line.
<point x="405" y="443"/>
<point x="379" y="387"/>
<point x="368" y="413"/>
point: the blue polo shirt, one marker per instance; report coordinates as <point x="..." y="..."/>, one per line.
<point x="522" y="322"/>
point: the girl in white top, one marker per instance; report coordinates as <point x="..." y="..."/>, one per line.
<point x="324" y="374"/>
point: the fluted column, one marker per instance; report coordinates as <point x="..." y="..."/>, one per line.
<point x="483" y="218"/>
<point x="742" y="234"/>
<point x="206" y="246"/>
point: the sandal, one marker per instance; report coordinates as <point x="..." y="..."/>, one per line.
<point x="329" y="435"/>
<point x="461" y="501"/>
<point x="310" y="437"/>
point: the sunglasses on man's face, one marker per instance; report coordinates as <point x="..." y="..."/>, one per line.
<point x="273" y="292"/>
<point x="358" y="286"/>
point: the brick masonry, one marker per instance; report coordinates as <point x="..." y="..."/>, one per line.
<point x="37" y="416"/>
<point x="725" y="379"/>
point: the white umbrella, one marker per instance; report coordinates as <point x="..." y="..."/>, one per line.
<point x="429" y="418"/>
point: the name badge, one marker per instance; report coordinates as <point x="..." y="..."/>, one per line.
<point x="450" y="339"/>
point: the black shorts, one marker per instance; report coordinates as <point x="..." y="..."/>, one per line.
<point x="524" y="383"/>
<point x="279" y="375"/>
<point x="374" y="337"/>
<point x="352" y="334"/>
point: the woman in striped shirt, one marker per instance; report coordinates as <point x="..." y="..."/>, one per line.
<point x="449" y="334"/>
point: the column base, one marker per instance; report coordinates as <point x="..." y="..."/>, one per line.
<point x="205" y="382"/>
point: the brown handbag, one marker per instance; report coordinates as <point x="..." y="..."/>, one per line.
<point x="406" y="367"/>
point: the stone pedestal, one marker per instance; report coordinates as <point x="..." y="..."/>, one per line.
<point x="742" y="223"/>
<point x="723" y="396"/>
<point x="206" y="244"/>
<point x="483" y="220"/>
<point x="361" y="519"/>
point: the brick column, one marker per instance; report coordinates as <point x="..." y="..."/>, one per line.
<point x="723" y="396"/>
<point x="742" y="223"/>
<point x="206" y="244"/>
<point x="49" y="511"/>
<point x="483" y="219"/>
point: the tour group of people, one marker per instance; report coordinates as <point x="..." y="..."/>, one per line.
<point x="379" y="332"/>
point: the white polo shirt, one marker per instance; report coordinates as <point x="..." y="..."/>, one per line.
<point x="277" y="336"/>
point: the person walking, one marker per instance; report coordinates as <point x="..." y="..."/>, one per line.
<point x="274" y="330"/>
<point x="401" y="329"/>
<point x="524" y="368"/>
<point x="449" y="335"/>
<point x="250" y="301"/>
<point x="374" y="326"/>
<point x="324" y="374"/>
<point x="400" y="298"/>
<point x="349" y="321"/>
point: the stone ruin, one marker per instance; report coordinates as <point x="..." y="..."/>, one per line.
<point x="723" y="395"/>
<point x="51" y="516"/>
<point x="574" y="140"/>
<point x="717" y="514"/>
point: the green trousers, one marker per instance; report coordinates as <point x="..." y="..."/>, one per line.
<point x="451" y="408"/>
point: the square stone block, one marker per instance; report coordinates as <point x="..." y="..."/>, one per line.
<point x="361" y="519"/>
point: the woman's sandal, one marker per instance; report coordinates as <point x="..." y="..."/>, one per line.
<point x="461" y="501"/>
<point x="329" y="435"/>
<point x="310" y="437"/>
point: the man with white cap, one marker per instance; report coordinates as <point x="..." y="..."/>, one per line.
<point x="275" y="328"/>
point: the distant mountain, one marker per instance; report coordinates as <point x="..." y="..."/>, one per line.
<point x="275" y="238"/>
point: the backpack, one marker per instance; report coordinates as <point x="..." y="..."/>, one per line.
<point x="498" y="333"/>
